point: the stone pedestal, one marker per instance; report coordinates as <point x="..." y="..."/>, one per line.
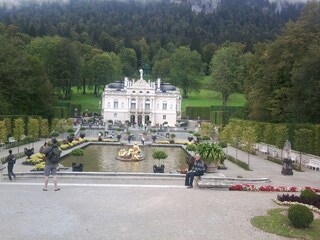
<point x="287" y="167"/>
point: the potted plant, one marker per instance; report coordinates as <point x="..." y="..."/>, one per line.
<point x="172" y="136"/>
<point x="191" y="147"/>
<point x="154" y="137"/>
<point x="190" y="138"/>
<point x="119" y="137"/>
<point x="158" y="154"/>
<point x="212" y="154"/>
<point x="77" y="153"/>
<point x="82" y="134"/>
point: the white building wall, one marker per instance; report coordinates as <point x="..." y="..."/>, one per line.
<point x="141" y="91"/>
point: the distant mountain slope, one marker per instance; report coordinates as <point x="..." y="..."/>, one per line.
<point x="197" y="5"/>
<point x="107" y="23"/>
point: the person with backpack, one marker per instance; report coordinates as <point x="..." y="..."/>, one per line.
<point x="11" y="160"/>
<point x="52" y="156"/>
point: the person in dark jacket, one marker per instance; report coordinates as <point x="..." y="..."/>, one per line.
<point x="11" y="160"/>
<point x="197" y="170"/>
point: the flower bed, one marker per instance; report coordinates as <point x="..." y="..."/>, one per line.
<point x="288" y="203"/>
<point x="251" y="187"/>
<point x="68" y="145"/>
<point x="35" y="159"/>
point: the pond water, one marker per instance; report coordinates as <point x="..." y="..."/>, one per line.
<point x="102" y="158"/>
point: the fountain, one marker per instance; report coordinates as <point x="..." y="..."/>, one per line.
<point x="134" y="154"/>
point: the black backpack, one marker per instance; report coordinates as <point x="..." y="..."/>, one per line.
<point x="54" y="155"/>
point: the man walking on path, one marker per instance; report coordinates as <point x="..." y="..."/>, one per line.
<point x="52" y="154"/>
<point x="11" y="160"/>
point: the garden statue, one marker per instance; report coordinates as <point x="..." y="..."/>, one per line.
<point x="28" y="152"/>
<point x="287" y="149"/>
<point x="133" y="154"/>
<point x="287" y="163"/>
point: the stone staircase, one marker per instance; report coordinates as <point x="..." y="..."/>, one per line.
<point x="218" y="180"/>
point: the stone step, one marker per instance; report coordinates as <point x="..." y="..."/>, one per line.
<point x="218" y="180"/>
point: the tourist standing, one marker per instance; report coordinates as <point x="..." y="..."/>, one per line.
<point x="11" y="160"/>
<point x="52" y="160"/>
<point x="197" y="170"/>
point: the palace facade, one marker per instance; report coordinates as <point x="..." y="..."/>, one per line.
<point x="141" y="102"/>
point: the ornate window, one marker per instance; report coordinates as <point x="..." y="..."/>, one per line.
<point x="133" y="103"/>
<point x="147" y="104"/>
<point x="164" y="106"/>
<point x="115" y="104"/>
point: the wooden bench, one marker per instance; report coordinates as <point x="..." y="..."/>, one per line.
<point x="313" y="164"/>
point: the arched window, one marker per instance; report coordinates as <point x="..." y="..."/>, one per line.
<point x="133" y="103"/>
<point x="147" y="104"/>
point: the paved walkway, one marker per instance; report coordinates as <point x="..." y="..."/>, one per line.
<point x="140" y="208"/>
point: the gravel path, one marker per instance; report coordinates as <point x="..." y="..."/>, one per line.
<point x="111" y="212"/>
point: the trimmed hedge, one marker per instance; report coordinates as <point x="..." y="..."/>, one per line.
<point x="300" y="216"/>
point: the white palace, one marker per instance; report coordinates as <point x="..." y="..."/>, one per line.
<point x="140" y="102"/>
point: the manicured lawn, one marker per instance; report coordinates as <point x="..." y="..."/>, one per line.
<point x="277" y="222"/>
<point x="88" y="101"/>
<point x="207" y="98"/>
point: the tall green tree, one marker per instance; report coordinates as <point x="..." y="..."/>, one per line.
<point x="65" y="67"/>
<point x="284" y="75"/>
<point x="33" y="128"/>
<point x="161" y="68"/>
<point x="44" y="128"/>
<point x="25" y="88"/>
<point x="185" y="70"/>
<point x="18" y="129"/>
<point x="129" y="61"/>
<point x="227" y="70"/>
<point x="207" y="54"/>
<point x="249" y="139"/>
<point x="103" y="69"/>
<point x="3" y="132"/>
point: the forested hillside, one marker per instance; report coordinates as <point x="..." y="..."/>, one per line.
<point x="244" y="47"/>
<point x="112" y="24"/>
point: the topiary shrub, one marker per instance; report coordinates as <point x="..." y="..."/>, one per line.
<point x="191" y="147"/>
<point x="308" y="195"/>
<point x="196" y="134"/>
<point x="300" y="216"/>
<point x="205" y="138"/>
<point x="223" y="144"/>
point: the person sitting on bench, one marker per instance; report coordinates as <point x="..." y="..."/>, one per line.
<point x="197" y="170"/>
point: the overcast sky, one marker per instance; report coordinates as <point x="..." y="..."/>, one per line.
<point x="11" y="2"/>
